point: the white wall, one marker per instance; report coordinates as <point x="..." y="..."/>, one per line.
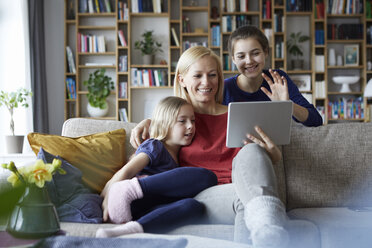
<point x="54" y="54"/>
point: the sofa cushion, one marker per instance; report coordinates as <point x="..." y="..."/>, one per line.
<point x="329" y="166"/>
<point x="339" y="227"/>
<point x="73" y="200"/>
<point x="98" y="156"/>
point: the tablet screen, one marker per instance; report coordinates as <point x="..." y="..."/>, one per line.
<point x="274" y="118"/>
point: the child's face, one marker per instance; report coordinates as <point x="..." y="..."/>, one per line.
<point x="249" y="57"/>
<point x="183" y="130"/>
<point x="201" y="80"/>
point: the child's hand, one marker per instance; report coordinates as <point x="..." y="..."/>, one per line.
<point x="279" y="88"/>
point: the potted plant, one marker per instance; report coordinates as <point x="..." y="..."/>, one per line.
<point x="295" y="49"/>
<point x="148" y="46"/>
<point x="12" y="100"/>
<point x="99" y="87"/>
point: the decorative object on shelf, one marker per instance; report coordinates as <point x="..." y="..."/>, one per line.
<point x="351" y="55"/>
<point x="71" y="11"/>
<point x="303" y="82"/>
<point x="214" y="13"/>
<point x="345" y="81"/>
<point x="99" y="88"/>
<point x="12" y="100"/>
<point x="34" y="216"/>
<point x="294" y="48"/>
<point x="148" y="47"/>
<point x="331" y="57"/>
<point x="339" y="60"/>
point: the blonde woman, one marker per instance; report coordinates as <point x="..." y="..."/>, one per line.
<point x="151" y="188"/>
<point x="252" y="202"/>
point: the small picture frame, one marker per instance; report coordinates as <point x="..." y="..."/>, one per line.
<point x="351" y="55"/>
<point x="303" y="82"/>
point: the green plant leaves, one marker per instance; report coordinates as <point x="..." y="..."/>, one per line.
<point x="148" y="45"/>
<point x="99" y="87"/>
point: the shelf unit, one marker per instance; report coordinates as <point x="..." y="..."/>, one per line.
<point x="205" y="17"/>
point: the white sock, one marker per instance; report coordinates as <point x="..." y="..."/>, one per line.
<point x="265" y="217"/>
<point x="127" y="228"/>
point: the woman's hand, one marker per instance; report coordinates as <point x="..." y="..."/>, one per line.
<point x="140" y="133"/>
<point x="266" y="143"/>
<point x="279" y="88"/>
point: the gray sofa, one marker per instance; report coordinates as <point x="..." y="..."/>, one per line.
<point x="325" y="180"/>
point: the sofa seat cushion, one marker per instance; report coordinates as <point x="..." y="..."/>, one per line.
<point x="339" y="227"/>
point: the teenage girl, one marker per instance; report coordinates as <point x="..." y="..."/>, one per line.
<point x="249" y="48"/>
<point x="151" y="188"/>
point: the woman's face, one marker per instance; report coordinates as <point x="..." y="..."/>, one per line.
<point x="249" y="57"/>
<point x="201" y="80"/>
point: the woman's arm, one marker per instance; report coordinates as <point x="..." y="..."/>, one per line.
<point x="140" y="133"/>
<point x="128" y="171"/>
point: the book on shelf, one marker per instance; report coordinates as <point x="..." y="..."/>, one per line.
<point x="91" y="43"/>
<point x="99" y="64"/>
<point x="70" y="60"/>
<point x="123" y="41"/>
<point x="319" y="63"/>
<point x="320" y="89"/>
<point x="344" y="108"/>
<point x="123" y="116"/>
<point x="175" y="37"/>
<point x="123" y="90"/>
<point x="308" y="97"/>
<point x="123" y="63"/>
<point x="95" y="6"/>
<point x="70" y="88"/>
<point x="139" y="6"/>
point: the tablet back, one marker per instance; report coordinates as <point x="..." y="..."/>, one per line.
<point x="274" y="118"/>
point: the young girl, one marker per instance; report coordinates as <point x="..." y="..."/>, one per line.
<point x="151" y="187"/>
<point x="249" y="48"/>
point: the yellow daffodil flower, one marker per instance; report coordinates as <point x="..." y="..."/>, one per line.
<point x="14" y="180"/>
<point x="39" y="173"/>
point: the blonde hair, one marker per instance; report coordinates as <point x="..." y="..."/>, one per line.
<point x="189" y="57"/>
<point x="164" y="116"/>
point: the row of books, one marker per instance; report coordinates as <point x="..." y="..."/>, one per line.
<point x="319" y="63"/>
<point x="123" y="63"/>
<point x="232" y="22"/>
<point x="70" y="60"/>
<point x="216" y="35"/>
<point x="70" y="88"/>
<point x="149" y="77"/>
<point x="123" y="90"/>
<point x="319" y="37"/>
<point x="266" y="9"/>
<point x="228" y="65"/>
<point x="319" y="9"/>
<point x="95" y="6"/>
<point x="235" y="5"/>
<point x="299" y="5"/>
<point x="187" y="44"/>
<point x="345" y="6"/>
<point x="139" y="6"/>
<point x="345" y="31"/>
<point x="278" y="22"/>
<point x="320" y="89"/>
<point x="123" y="115"/>
<point x="91" y="43"/>
<point x="346" y="108"/>
<point x="123" y="10"/>
<point x="279" y="50"/>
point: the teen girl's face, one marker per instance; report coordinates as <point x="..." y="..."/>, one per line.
<point x="249" y="57"/>
<point x="201" y="80"/>
<point x="183" y="130"/>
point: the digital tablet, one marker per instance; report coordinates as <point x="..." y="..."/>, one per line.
<point x="274" y="118"/>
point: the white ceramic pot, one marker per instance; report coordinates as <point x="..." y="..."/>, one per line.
<point x="332" y="57"/>
<point x="96" y="112"/>
<point x="14" y="144"/>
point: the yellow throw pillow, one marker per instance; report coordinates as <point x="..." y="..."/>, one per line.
<point x="98" y="156"/>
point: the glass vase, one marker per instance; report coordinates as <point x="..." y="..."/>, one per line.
<point x="34" y="216"/>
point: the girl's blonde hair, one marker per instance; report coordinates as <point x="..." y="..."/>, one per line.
<point x="189" y="57"/>
<point x="164" y="116"/>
